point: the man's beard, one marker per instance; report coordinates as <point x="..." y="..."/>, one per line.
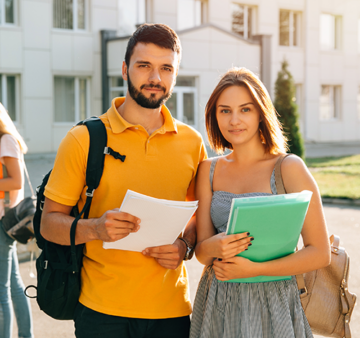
<point x="142" y="100"/>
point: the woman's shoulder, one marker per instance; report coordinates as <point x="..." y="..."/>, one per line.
<point x="292" y="163"/>
<point x="9" y="144"/>
<point x="296" y="175"/>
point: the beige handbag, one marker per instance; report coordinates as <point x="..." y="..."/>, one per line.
<point x="324" y="293"/>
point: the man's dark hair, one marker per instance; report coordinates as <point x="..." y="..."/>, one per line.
<point x="158" y="34"/>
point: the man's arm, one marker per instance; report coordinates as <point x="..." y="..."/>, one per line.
<point x="171" y="256"/>
<point x="111" y="226"/>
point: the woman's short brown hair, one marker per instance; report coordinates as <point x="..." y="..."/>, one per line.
<point x="270" y="128"/>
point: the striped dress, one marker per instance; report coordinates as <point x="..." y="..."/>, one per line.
<point x="245" y="310"/>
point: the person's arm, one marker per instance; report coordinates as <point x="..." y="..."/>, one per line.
<point x="14" y="181"/>
<point x="316" y="251"/>
<point x="170" y="256"/>
<point x="209" y="244"/>
<point x="111" y="226"/>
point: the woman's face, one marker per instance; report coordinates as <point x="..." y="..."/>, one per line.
<point x="237" y="115"/>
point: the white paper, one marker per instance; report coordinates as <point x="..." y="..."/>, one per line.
<point x="161" y="221"/>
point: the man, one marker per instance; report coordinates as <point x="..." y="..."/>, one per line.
<point x="125" y="293"/>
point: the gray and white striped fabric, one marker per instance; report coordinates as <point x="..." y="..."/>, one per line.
<point x="245" y="310"/>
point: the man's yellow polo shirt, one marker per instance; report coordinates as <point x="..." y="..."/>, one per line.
<point x="164" y="165"/>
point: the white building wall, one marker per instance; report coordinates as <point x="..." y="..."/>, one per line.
<point x="37" y="52"/>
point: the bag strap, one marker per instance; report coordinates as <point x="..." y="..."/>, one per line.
<point x="7" y="193"/>
<point x="280" y="188"/>
<point x="94" y="170"/>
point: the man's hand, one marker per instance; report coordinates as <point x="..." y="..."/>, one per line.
<point x="168" y="256"/>
<point x="114" y="225"/>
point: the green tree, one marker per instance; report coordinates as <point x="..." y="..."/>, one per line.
<point x="287" y="109"/>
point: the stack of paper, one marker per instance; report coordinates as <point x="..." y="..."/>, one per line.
<point x="275" y="222"/>
<point x="161" y="221"/>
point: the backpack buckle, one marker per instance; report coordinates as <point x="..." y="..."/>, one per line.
<point x="46" y="264"/>
<point x="106" y="151"/>
<point x="90" y="193"/>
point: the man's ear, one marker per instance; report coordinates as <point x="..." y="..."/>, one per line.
<point x="124" y="71"/>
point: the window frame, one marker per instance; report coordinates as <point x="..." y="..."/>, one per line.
<point x="180" y="91"/>
<point x="297" y="29"/>
<point x="246" y="20"/>
<point x="75" y="19"/>
<point x="3" y="22"/>
<point x="77" y="117"/>
<point x="337" y="103"/>
<point x="337" y="33"/>
<point x="203" y="14"/>
<point x="3" y="79"/>
<point x="123" y="88"/>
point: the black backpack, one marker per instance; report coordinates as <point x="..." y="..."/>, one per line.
<point x="59" y="266"/>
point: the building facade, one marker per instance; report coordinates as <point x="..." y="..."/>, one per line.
<point x="60" y="60"/>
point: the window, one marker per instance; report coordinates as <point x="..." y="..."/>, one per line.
<point x="330" y="32"/>
<point x="69" y="14"/>
<point x="118" y="87"/>
<point x="71" y="99"/>
<point x="182" y="103"/>
<point x="330" y="102"/>
<point x="289" y="28"/>
<point x="243" y="20"/>
<point x="133" y="13"/>
<point x="191" y="13"/>
<point x="7" y="12"/>
<point x="9" y="94"/>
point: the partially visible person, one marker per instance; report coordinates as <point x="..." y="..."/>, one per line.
<point x="131" y="294"/>
<point x="241" y="117"/>
<point x="12" y="297"/>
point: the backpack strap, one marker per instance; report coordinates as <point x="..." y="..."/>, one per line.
<point x="94" y="170"/>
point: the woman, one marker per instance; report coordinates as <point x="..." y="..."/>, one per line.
<point x="240" y="116"/>
<point x="12" y="148"/>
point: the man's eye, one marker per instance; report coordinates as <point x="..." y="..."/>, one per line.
<point x="167" y="69"/>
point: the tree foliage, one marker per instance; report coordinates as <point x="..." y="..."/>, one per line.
<point x="286" y="106"/>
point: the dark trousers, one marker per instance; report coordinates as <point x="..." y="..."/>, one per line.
<point x="92" y="324"/>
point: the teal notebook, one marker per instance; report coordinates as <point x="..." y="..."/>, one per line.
<point x="274" y="221"/>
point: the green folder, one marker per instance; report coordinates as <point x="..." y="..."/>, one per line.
<point x="274" y="221"/>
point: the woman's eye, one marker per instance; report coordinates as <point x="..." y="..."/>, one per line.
<point x="225" y="111"/>
<point x="245" y="110"/>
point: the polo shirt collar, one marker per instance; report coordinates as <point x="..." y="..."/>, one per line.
<point x="118" y="124"/>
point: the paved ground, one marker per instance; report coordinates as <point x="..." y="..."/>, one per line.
<point x="342" y="220"/>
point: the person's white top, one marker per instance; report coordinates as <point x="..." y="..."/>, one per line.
<point x="9" y="147"/>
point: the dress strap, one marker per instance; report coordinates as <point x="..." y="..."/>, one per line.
<point x="212" y="170"/>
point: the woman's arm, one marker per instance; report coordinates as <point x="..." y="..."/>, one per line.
<point x="316" y="251"/>
<point x="14" y="181"/>
<point x="209" y="244"/>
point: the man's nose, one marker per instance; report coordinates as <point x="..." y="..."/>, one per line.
<point x="155" y="76"/>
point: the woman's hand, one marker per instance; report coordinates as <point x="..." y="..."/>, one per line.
<point x="235" y="267"/>
<point x="227" y="246"/>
